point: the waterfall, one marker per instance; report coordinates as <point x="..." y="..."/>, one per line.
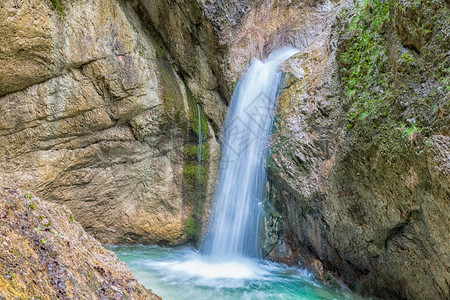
<point x="200" y="136"/>
<point x="233" y="228"/>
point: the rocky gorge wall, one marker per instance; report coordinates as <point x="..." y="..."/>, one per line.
<point x="94" y="115"/>
<point x="359" y="168"/>
<point x="46" y="254"/>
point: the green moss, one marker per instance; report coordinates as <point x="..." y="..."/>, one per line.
<point x="57" y="6"/>
<point x="193" y="117"/>
<point x="191" y="229"/>
<point x="409" y="59"/>
<point x="172" y="97"/>
<point x="364" y="60"/>
<point x="364" y="73"/>
<point x="196" y="176"/>
<point x="410" y="133"/>
<point x="381" y="82"/>
<point x="330" y="281"/>
<point x="161" y="51"/>
<point x="191" y="152"/>
<point x="194" y="173"/>
<point x="15" y="252"/>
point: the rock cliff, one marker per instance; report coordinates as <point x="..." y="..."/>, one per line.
<point x="46" y="254"/>
<point x="359" y="164"/>
<point x="94" y="115"/>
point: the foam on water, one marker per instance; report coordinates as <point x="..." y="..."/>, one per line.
<point x="183" y="273"/>
<point x="209" y="270"/>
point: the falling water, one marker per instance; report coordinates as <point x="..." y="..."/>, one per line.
<point x="233" y="230"/>
<point x="200" y="137"/>
<point x="227" y="273"/>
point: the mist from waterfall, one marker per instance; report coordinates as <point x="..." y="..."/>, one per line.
<point x="233" y="228"/>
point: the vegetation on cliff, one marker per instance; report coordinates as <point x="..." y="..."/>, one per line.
<point x="394" y="93"/>
<point x="359" y="169"/>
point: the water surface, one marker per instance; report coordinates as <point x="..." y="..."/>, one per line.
<point x="183" y="273"/>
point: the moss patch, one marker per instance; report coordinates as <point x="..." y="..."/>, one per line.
<point x="193" y="117"/>
<point x="191" y="229"/>
<point x="171" y="93"/>
<point x="192" y="152"/>
<point x="57" y="5"/>
<point x="382" y="75"/>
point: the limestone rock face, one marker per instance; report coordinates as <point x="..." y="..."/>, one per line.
<point x="359" y="164"/>
<point x="190" y="38"/>
<point x="272" y="24"/>
<point x="93" y="115"/>
<point x="45" y="253"/>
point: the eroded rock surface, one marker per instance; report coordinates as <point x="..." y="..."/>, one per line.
<point x="46" y="254"/>
<point x="359" y="164"/>
<point x="94" y="115"/>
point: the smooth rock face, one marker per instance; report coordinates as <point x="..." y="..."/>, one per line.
<point x="45" y="254"/>
<point x="93" y="117"/>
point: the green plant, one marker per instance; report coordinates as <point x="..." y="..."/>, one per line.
<point x="191" y="229"/>
<point x="363" y="115"/>
<point x="57" y="5"/>
<point x="195" y="174"/>
<point x="71" y="219"/>
<point x="410" y="133"/>
<point x="43" y="241"/>
<point x="29" y="195"/>
<point x="408" y="59"/>
<point x="192" y="151"/>
<point x="363" y="61"/>
<point x="56" y="233"/>
<point x="31" y="206"/>
<point x="193" y="117"/>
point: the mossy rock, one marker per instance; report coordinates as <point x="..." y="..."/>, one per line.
<point x="57" y="5"/>
<point x="191" y="229"/>
<point x="193" y="117"/>
<point x="381" y="78"/>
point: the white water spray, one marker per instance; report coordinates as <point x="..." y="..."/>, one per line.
<point x="233" y="230"/>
